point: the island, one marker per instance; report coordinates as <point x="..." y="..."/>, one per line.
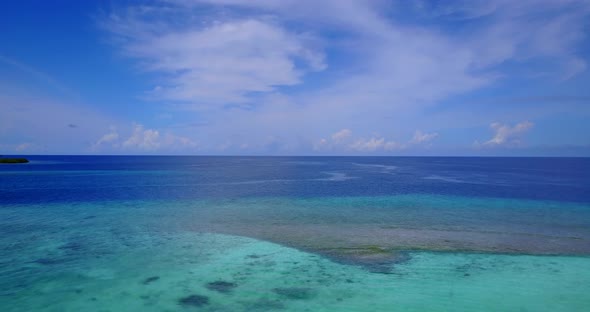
<point x="13" y="160"/>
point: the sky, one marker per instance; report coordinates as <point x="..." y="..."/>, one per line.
<point x="295" y="77"/>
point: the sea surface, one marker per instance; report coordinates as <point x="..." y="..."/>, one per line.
<point x="155" y="233"/>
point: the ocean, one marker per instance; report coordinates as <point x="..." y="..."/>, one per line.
<point x="168" y="233"/>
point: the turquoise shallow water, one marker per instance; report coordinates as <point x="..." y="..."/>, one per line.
<point x="157" y="271"/>
<point x="294" y="234"/>
<point x="138" y="255"/>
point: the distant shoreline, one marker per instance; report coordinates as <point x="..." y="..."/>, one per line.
<point x="13" y="160"/>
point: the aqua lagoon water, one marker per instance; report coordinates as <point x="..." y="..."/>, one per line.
<point x="295" y="234"/>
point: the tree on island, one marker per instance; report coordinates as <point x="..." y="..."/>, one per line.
<point x="13" y="160"/>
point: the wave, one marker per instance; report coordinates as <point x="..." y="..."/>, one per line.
<point x="378" y="167"/>
<point x="332" y="176"/>
<point x="445" y="179"/>
<point x="303" y="162"/>
<point x="335" y="176"/>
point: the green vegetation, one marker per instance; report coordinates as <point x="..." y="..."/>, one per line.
<point x="13" y="160"/>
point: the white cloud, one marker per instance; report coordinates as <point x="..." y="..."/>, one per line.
<point x="506" y="135"/>
<point x="373" y="144"/>
<point x="23" y="147"/>
<point x="218" y="62"/>
<point x="521" y="31"/>
<point x="355" y="15"/>
<point x="109" y="138"/>
<point x="344" y="141"/>
<point x="341" y="135"/>
<point x="175" y="142"/>
<point x="384" y="73"/>
<point x="321" y="145"/>
<point x="420" y="137"/>
<point x="142" y="140"/>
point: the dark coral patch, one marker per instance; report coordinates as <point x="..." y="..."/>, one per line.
<point x="221" y="286"/>
<point x="72" y="246"/>
<point x="297" y="293"/>
<point x="265" y="304"/>
<point x="150" y="279"/>
<point x="194" y="301"/>
<point x="49" y="261"/>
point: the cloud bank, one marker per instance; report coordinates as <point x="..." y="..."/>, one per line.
<point x="506" y="135"/>
<point x="269" y="67"/>
<point x="142" y="140"/>
<point x="345" y="141"/>
<point x="280" y="77"/>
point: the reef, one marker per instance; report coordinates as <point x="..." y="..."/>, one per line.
<point x="221" y="286"/>
<point x="265" y="304"/>
<point x="150" y="280"/>
<point x="360" y="254"/>
<point x="49" y="261"/>
<point x="194" y="301"/>
<point x="297" y="293"/>
<point x="72" y="246"/>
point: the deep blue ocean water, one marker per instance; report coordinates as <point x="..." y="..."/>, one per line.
<point x="95" y="178"/>
<point x="122" y="233"/>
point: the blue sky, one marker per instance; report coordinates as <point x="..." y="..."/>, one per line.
<point x="265" y="77"/>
